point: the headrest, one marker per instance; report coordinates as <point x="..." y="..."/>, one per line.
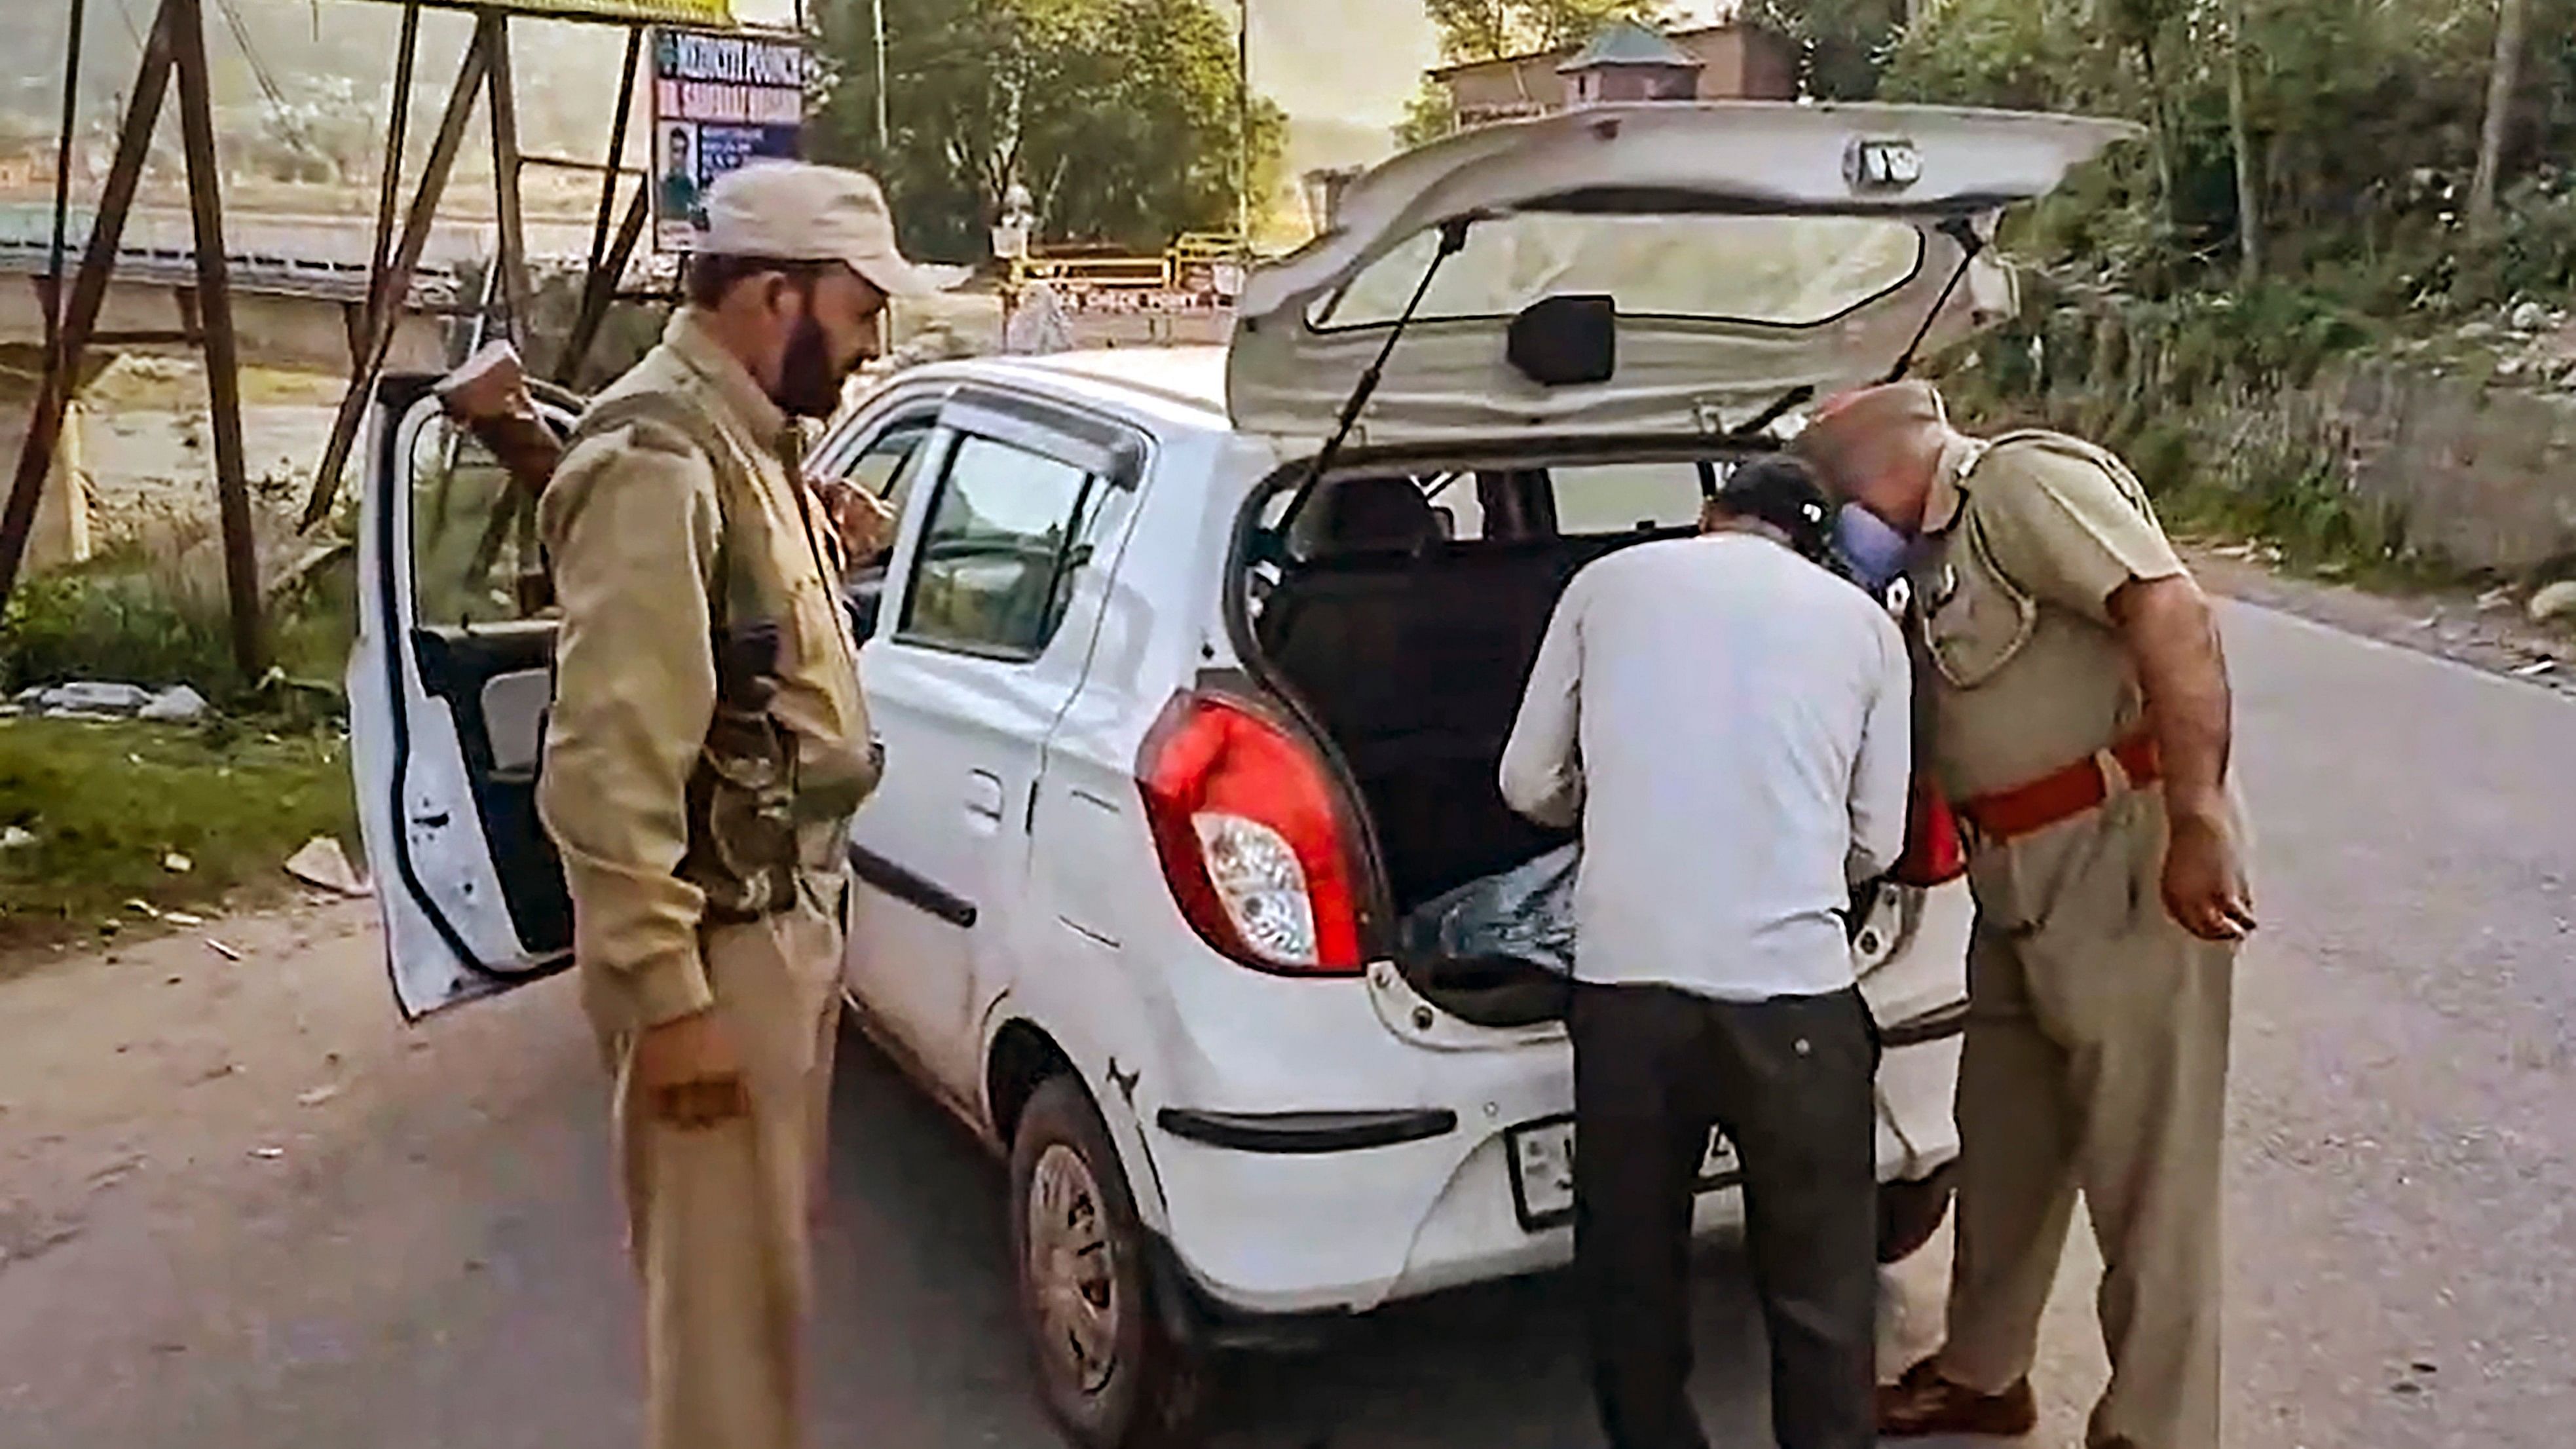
<point x="1366" y="515"/>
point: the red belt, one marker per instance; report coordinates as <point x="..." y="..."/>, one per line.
<point x="2064" y="794"/>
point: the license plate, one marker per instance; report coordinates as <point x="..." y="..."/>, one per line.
<point x="1542" y="1155"/>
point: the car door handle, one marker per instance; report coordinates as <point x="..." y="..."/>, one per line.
<point x="984" y="796"/>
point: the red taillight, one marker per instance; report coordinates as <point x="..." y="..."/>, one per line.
<point x="1934" y="854"/>
<point x="1258" y="855"/>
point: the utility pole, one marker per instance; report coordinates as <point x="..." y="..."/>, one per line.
<point x="1243" y="125"/>
<point x="885" y="113"/>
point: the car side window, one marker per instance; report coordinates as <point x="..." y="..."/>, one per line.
<point x="1009" y="530"/>
<point x="474" y="554"/>
<point x="879" y="468"/>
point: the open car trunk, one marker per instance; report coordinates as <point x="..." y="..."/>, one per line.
<point x="1596" y="284"/>
<point x="1402" y="611"/>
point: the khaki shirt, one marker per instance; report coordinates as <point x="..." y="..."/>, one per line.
<point x="632" y="524"/>
<point x="2021" y="669"/>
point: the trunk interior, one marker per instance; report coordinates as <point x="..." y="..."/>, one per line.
<point x="1406" y="612"/>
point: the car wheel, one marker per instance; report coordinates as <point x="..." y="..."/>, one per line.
<point x="1112" y="1374"/>
<point x="1909" y="1213"/>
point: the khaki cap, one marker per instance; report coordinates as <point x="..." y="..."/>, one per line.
<point x="1845" y="423"/>
<point x="793" y="211"/>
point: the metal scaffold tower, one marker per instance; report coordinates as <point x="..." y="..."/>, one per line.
<point x="175" y="49"/>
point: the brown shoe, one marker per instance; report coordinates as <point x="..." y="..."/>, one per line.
<point x="1924" y="1403"/>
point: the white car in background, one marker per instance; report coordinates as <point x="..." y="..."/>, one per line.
<point x="1185" y="702"/>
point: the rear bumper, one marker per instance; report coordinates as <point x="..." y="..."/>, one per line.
<point x="1275" y="1234"/>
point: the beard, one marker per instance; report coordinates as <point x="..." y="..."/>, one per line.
<point x="809" y="381"/>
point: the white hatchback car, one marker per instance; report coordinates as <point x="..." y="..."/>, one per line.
<point x="1187" y="700"/>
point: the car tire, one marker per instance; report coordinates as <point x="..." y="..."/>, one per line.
<point x="1910" y="1213"/>
<point x="1110" y="1369"/>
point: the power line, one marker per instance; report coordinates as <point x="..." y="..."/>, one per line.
<point x="258" y="69"/>
<point x="268" y="86"/>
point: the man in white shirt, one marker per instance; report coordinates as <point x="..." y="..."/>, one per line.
<point x="1730" y="724"/>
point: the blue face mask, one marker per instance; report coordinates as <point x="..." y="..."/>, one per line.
<point x="1870" y="547"/>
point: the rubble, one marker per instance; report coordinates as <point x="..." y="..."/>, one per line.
<point x="321" y="862"/>
<point x="104" y="700"/>
<point x="2557" y="601"/>
<point x="176" y="705"/>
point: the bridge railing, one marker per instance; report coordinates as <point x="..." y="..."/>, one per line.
<point x="27" y="247"/>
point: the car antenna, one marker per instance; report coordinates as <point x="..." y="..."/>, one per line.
<point x="1958" y="229"/>
<point x="1453" y="240"/>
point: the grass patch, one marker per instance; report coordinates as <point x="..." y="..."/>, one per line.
<point x="106" y="804"/>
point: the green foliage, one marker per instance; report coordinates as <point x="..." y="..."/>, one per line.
<point x="132" y="619"/>
<point x="1120" y="116"/>
<point x="1472" y="30"/>
<point x="1845" y="44"/>
<point x="107" y="623"/>
<point x="106" y="804"/>
<point x="1430" y="114"/>
<point x="2364" y="116"/>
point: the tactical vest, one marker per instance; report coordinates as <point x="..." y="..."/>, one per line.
<point x="742" y="846"/>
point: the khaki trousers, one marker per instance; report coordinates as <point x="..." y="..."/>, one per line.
<point x="2096" y="1060"/>
<point x="717" y="1217"/>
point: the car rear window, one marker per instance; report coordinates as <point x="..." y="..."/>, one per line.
<point x="1778" y="271"/>
<point x="1599" y="498"/>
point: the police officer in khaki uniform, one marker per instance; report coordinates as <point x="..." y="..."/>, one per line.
<point x="707" y="748"/>
<point x="2079" y="717"/>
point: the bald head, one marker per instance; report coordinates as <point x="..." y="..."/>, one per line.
<point x="1879" y="447"/>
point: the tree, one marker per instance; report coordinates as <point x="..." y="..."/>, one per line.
<point x="1431" y="114"/>
<point x="2511" y="17"/>
<point x="1845" y="43"/>
<point x="1119" y="116"/>
<point x="1474" y="30"/>
<point x="2240" y="133"/>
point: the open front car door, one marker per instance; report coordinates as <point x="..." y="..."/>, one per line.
<point x="448" y="691"/>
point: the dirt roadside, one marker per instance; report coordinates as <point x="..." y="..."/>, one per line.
<point x="239" y="1048"/>
<point x="2486" y="631"/>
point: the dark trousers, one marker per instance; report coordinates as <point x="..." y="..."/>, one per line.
<point x="1791" y="1082"/>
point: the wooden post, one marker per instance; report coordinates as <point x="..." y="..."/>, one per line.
<point x="576" y="346"/>
<point x="599" y="289"/>
<point x="215" y="314"/>
<point x="53" y="290"/>
<point x="389" y="185"/>
<point x="398" y="271"/>
<point x="512" y="253"/>
<point x="88" y="294"/>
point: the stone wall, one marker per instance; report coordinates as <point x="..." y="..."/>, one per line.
<point x="2483" y="475"/>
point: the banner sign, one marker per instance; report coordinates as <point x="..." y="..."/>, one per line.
<point x="719" y="100"/>
<point x="679" y="12"/>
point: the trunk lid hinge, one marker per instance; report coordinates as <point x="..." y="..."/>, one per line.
<point x="1962" y="230"/>
<point x="1453" y="240"/>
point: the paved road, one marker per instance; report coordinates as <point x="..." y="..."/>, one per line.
<point x="428" y="1257"/>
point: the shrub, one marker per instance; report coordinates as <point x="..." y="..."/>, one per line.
<point x="110" y="622"/>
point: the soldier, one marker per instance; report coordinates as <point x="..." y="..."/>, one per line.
<point x="2079" y="716"/>
<point x="707" y="748"/>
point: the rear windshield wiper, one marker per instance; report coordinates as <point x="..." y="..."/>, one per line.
<point x="1453" y="240"/>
